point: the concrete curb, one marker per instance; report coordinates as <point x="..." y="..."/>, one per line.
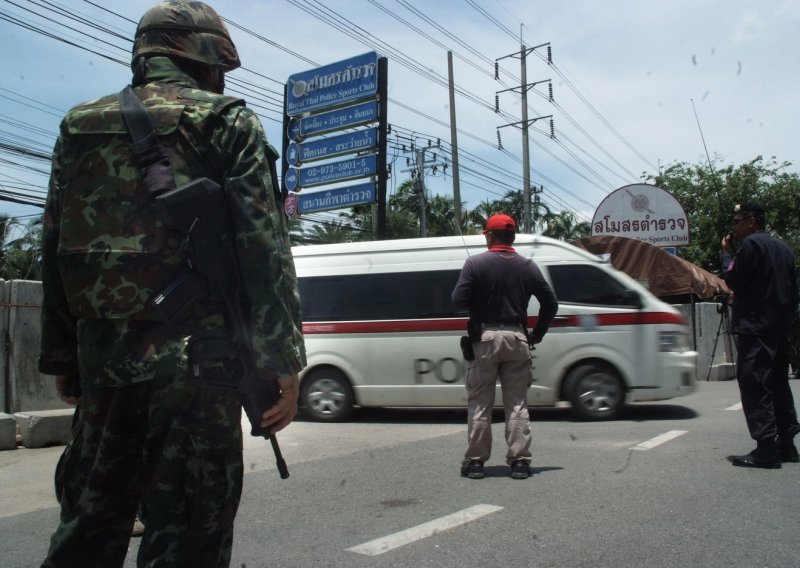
<point x="44" y="427"/>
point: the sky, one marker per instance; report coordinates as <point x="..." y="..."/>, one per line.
<point x="637" y="84"/>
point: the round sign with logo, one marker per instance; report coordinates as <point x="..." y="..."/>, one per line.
<point x="644" y="212"/>
<point x="293" y="129"/>
<point x="291" y="204"/>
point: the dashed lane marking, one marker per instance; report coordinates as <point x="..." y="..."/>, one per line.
<point x="402" y="538"/>
<point x="737" y="406"/>
<point x="658" y="440"/>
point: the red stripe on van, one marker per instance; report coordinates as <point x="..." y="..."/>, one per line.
<point x="645" y="318"/>
<point x="460" y="324"/>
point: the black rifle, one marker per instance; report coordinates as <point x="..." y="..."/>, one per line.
<point x="199" y="210"/>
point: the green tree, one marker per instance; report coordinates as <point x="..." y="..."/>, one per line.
<point x="401" y="222"/>
<point x="5" y="225"/>
<point x="328" y="232"/>
<point x="563" y="225"/>
<point x="709" y="197"/>
<point x="21" y="257"/>
<point x="295" y="225"/>
<point x="475" y="219"/>
<point x="403" y="213"/>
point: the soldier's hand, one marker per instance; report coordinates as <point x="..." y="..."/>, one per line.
<point x="63" y="386"/>
<point x="279" y="416"/>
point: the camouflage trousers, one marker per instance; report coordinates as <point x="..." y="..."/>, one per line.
<point x="165" y="445"/>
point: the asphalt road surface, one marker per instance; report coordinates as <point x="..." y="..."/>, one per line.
<point x="651" y="489"/>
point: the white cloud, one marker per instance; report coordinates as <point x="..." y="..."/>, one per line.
<point x="749" y="28"/>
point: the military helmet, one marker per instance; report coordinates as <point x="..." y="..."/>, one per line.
<point x="189" y="30"/>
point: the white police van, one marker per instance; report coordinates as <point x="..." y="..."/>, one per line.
<point x="381" y="331"/>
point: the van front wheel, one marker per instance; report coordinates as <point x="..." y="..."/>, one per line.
<point x="326" y="396"/>
<point x="596" y="392"/>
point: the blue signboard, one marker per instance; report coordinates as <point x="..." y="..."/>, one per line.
<point x="333" y="85"/>
<point x="337" y="171"/>
<point x="359" y="141"/>
<point x="340" y="119"/>
<point x="336" y="198"/>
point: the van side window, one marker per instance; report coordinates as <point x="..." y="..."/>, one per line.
<point x="395" y="295"/>
<point x="585" y="284"/>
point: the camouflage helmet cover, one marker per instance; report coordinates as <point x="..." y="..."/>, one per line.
<point x="189" y="30"/>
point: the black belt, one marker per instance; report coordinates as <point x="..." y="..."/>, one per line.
<point x="502" y="325"/>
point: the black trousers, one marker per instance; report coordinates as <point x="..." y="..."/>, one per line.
<point x="763" y="376"/>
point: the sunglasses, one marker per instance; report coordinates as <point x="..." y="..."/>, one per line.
<point x="738" y="220"/>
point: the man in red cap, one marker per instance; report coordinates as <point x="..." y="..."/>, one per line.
<point x="496" y="286"/>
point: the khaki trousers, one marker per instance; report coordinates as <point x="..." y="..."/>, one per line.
<point x="501" y="353"/>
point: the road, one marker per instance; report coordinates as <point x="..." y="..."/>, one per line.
<point x="650" y="489"/>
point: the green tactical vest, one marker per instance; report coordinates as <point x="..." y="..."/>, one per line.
<point x="114" y="253"/>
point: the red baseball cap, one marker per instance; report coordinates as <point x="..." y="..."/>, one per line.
<point x="500" y="222"/>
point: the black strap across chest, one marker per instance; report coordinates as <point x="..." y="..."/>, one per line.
<point x="151" y="159"/>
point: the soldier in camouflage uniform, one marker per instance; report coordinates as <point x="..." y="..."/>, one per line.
<point x="143" y="432"/>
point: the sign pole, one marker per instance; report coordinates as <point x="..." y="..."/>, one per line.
<point x="284" y="146"/>
<point x="383" y="130"/>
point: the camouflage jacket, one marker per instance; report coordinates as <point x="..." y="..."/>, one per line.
<point x="106" y="253"/>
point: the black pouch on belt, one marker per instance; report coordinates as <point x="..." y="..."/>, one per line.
<point x="466" y="348"/>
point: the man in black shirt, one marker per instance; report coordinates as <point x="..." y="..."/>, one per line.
<point x="496" y="286"/>
<point x="763" y="278"/>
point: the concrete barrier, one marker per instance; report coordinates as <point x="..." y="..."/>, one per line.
<point x="45" y="427"/>
<point x="8" y="432"/>
<point x="715" y="345"/>
<point x="27" y="388"/>
<point x="5" y="315"/>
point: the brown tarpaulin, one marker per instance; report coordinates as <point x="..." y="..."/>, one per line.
<point x="662" y="273"/>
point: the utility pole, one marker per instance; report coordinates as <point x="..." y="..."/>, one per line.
<point x="454" y="143"/>
<point x="536" y="203"/>
<point x="423" y="215"/>
<point x="523" y="89"/>
<point x="418" y="174"/>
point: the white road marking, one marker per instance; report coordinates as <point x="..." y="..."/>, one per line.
<point x="737" y="406"/>
<point x="658" y="440"/>
<point x="402" y="538"/>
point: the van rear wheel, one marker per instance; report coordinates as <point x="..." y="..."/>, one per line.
<point x="596" y="392"/>
<point x="326" y="396"/>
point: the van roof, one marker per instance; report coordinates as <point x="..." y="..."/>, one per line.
<point x="543" y="247"/>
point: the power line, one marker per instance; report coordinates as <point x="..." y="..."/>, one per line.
<point x="273" y="104"/>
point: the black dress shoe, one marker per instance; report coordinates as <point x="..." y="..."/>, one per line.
<point x="789" y="454"/>
<point x="752" y="460"/>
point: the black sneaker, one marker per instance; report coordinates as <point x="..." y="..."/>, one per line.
<point x="472" y="469"/>
<point x="520" y="469"/>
